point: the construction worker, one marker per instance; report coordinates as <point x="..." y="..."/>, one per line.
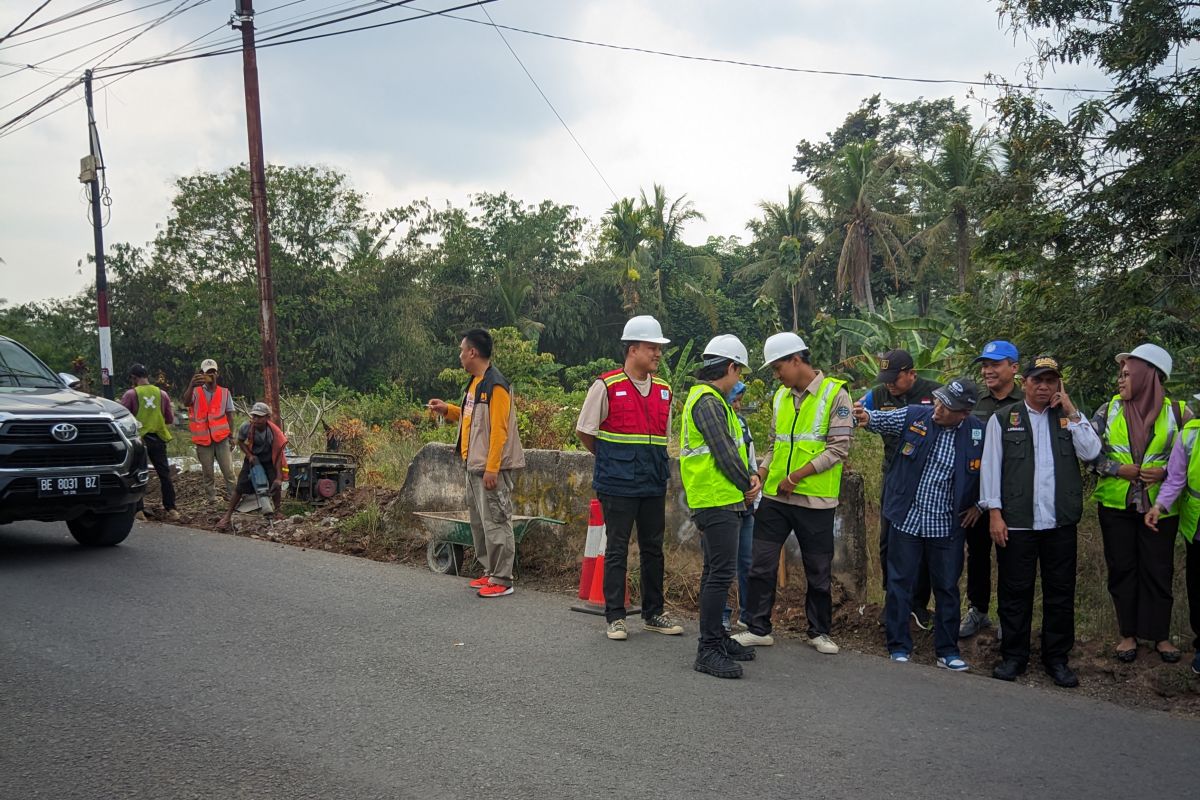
<point x="1032" y="491"/>
<point x="999" y="364"/>
<point x="210" y="419"/>
<point x="802" y="477"/>
<point x="262" y="443"/>
<point x="152" y="407"/>
<point x="720" y="488"/>
<point x="899" y="387"/>
<point x="491" y="452"/>
<point x="1137" y="431"/>
<point x="1183" y="473"/>
<point x="933" y="495"/>
<point x="624" y="422"/>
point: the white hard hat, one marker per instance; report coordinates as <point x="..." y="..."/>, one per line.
<point x="728" y="346"/>
<point x="643" y="329"/>
<point x="782" y="345"/>
<point x="1151" y="354"/>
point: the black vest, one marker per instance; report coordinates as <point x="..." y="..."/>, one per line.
<point x="1016" y="468"/>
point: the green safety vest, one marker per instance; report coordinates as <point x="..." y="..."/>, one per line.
<point x="1113" y="492"/>
<point x="706" y="486"/>
<point x="1189" y="505"/>
<point x="800" y="436"/>
<point x="149" y="412"/>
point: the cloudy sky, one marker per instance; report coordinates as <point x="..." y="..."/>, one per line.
<point x="439" y="108"/>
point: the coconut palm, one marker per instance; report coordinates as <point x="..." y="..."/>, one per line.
<point x="950" y="184"/>
<point x="853" y="187"/>
<point x="782" y="237"/>
<point x="623" y="238"/>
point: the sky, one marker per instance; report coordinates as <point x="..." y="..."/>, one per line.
<point x="439" y="108"/>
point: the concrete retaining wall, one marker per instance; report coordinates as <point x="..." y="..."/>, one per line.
<point x="557" y="483"/>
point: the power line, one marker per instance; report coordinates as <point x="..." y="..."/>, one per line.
<point x="532" y="80"/>
<point x="82" y="25"/>
<point x="22" y="22"/>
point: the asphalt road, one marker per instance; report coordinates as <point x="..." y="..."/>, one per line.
<point x="185" y="664"/>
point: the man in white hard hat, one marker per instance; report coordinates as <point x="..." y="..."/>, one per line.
<point x="720" y="487"/>
<point x="624" y="422"/>
<point x="802" y="477"/>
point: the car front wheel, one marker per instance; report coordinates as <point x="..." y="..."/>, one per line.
<point x="102" y="530"/>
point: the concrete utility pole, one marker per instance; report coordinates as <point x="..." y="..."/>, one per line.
<point x="90" y="169"/>
<point x="243" y="18"/>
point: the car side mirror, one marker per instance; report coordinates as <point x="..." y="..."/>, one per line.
<point x="72" y="381"/>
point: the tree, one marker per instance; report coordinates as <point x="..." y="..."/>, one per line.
<point x="624" y="234"/>
<point x="782" y="240"/>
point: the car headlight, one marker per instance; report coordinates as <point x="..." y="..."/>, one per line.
<point x="128" y="426"/>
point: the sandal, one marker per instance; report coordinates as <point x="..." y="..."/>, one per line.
<point x="1169" y="656"/>
<point x="1127" y="656"/>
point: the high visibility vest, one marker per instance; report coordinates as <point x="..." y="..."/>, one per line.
<point x="706" y="486"/>
<point x="631" y="444"/>
<point x="1189" y="504"/>
<point x="207" y="420"/>
<point x="149" y="411"/>
<point x="799" y="437"/>
<point x="1113" y="492"/>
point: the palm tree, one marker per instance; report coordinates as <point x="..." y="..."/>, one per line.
<point x="964" y="160"/>
<point x="664" y="222"/>
<point x="623" y="237"/>
<point x="783" y="237"/>
<point x="853" y="185"/>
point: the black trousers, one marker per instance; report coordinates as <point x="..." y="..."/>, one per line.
<point x="1017" y="564"/>
<point x="923" y="589"/>
<point x="720" y="530"/>
<point x="1193" y="588"/>
<point x="1141" y="566"/>
<point x="620" y="515"/>
<point x="979" y="565"/>
<point x="773" y="523"/>
<point x="156" y="454"/>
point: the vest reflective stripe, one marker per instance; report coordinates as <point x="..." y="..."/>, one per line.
<point x="800" y="436"/>
<point x="1189" y="505"/>
<point x="631" y="438"/>
<point x="706" y="486"/>
<point x="207" y="420"/>
<point x="1113" y="492"/>
<point x="149" y="414"/>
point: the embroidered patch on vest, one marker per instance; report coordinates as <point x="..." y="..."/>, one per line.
<point x="977" y="435"/>
<point x="483" y="397"/>
<point x="919" y="430"/>
<point x="620" y="393"/>
<point x="1062" y="422"/>
<point x="666" y="394"/>
<point x="974" y="465"/>
<point x="908" y="449"/>
<point x="1014" y="419"/>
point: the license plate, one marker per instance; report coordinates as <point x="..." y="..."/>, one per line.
<point x="67" y="486"/>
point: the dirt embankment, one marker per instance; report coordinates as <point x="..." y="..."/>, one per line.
<point x="365" y="522"/>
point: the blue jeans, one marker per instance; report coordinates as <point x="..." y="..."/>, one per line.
<point x="744" y="558"/>
<point x="945" y="558"/>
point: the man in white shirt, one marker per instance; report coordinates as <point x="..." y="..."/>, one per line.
<point x="1032" y="489"/>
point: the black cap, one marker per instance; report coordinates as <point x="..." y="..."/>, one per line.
<point x="959" y="394"/>
<point x="139" y="370"/>
<point x="1043" y="363"/>
<point x="892" y="363"/>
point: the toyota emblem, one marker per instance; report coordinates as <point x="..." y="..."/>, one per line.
<point x="64" y="432"/>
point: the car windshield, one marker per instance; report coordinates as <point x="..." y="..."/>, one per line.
<point x="21" y="369"/>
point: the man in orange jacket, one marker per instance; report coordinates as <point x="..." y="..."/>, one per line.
<point x="210" y="418"/>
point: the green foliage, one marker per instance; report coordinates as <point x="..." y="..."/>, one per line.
<point x="581" y="377"/>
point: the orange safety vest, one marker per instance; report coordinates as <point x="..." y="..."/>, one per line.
<point x="207" y="421"/>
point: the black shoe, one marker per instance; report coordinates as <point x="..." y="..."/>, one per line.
<point x="1063" y="675"/>
<point x="714" y="661"/>
<point x="736" y="650"/>
<point x="1009" y="669"/>
<point x="923" y="617"/>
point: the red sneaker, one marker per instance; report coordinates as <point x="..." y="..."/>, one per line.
<point x="495" y="590"/>
<point x="479" y="583"/>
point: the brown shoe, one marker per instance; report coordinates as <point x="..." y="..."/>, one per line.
<point x="173" y="516"/>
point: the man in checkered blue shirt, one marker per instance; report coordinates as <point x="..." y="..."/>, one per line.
<point x="931" y="498"/>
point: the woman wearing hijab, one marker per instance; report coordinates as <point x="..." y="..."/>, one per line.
<point x="1137" y="429"/>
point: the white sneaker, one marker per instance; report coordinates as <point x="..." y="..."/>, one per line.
<point x="824" y="645"/>
<point x="748" y="639"/>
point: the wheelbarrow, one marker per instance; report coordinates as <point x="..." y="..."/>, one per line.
<point x="450" y="532"/>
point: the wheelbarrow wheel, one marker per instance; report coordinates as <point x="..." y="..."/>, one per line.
<point x="444" y="558"/>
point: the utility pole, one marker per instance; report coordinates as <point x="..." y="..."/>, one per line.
<point x="91" y="168"/>
<point x="243" y="18"/>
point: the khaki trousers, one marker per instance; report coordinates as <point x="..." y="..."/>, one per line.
<point x="219" y="451"/>
<point x="491" y="525"/>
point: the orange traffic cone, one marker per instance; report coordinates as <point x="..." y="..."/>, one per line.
<point x="593" y="549"/>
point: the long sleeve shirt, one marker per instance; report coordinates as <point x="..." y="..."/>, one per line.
<point x="1087" y="448"/>
<point x="498" y="406"/>
<point x="710" y="417"/>
<point x="932" y="513"/>
<point x="1176" y="480"/>
<point x="837" y="443"/>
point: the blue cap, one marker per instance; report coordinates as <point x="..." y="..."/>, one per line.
<point x="737" y="391"/>
<point x="998" y="351"/>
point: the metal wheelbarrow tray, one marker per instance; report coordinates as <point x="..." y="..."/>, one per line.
<point x="450" y="532"/>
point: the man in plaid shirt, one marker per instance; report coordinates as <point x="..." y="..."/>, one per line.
<point x="931" y="498"/>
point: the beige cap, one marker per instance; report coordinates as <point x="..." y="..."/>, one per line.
<point x="260" y="410"/>
<point x="208" y="364"/>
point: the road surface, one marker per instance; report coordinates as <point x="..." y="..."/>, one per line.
<point x="185" y="664"/>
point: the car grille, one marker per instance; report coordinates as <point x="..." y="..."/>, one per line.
<point x="39" y="432"/>
<point x="69" y="455"/>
